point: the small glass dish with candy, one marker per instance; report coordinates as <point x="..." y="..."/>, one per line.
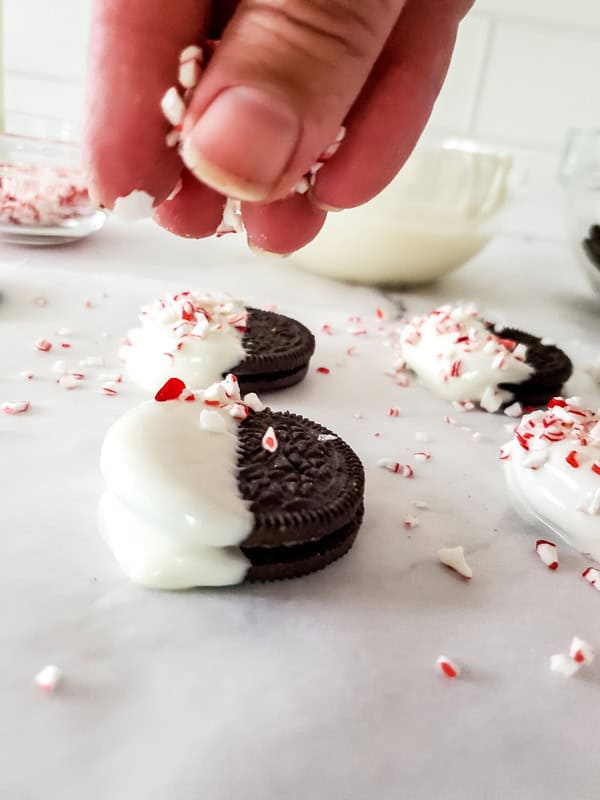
<point x="580" y="176"/>
<point x="43" y="196"/>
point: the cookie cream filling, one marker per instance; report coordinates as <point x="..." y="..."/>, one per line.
<point x="457" y="356"/>
<point x="552" y="471"/>
<point x="172" y="513"/>
<point x="197" y="336"/>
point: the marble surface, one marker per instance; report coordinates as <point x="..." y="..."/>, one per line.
<point x="316" y="688"/>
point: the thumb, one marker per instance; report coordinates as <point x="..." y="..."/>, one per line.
<point x="279" y="86"/>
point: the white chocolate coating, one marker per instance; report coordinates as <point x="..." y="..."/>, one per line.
<point x="544" y="486"/>
<point x="196" y="337"/>
<point x="172" y="514"/>
<point x="456" y="357"/>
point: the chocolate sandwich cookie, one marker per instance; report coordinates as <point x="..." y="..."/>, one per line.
<point x="278" y="352"/>
<point x="551" y="367"/>
<point x="461" y="356"/>
<point x="200" y="337"/>
<point x="209" y="488"/>
<point x="306" y="496"/>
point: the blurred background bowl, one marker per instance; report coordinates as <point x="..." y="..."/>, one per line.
<point x="434" y="216"/>
<point x="43" y="196"/>
<point x="580" y="177"/>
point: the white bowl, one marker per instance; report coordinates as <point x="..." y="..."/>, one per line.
<point x="434" y="216"/>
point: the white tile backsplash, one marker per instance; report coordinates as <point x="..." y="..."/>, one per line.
<point x="523" y="70"/>
<point x="539" y="82"/>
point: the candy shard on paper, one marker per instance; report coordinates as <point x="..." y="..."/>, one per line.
<point x="454" y="557"/>
<point x="448" y="668"/>
<point x="564" y="665"/>
<point x="135" y="206"/>
<point x="48" y="679"/>
<point x="548" y="553"/>
<point x="581" y="651"/>
<point x="11" y="407"/>
<point x="592" y="576"/>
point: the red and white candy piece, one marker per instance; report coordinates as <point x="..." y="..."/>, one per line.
<point x="564" y="665"/>
<point x="548" y="553"/>
<point x="173" y="107"/>
<point x="448" y="667"/>
<point x="411" y="522"/>
<point x="110" y="388"/>
<point x="12" y="407"/>
<point x="69" y="382"/>
<point x="581" y="651"/>
<point x="171" y="390"/>
<point x="254" y="402"/>
<point x="592" y="576"/>
<point x="269" y="441"/>
<point x="514" y="410"/>
<point x="422" y="456"/>
<point x="190" y="66"/>
<point x="48" y="678"/>
<point x="394" y="466"/>
<point x="27" y="375"/>
<point x="393" y="412"/>
<point x="454" y="557"/>
<point x="43" y="345"/>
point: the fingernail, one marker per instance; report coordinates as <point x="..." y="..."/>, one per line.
<point x="260" y="253"/>
<point x="242" y="143"/>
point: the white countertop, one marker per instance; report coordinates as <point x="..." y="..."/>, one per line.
<point x="314" y="688"/>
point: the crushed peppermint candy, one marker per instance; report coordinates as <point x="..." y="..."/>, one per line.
<point x="27" y="375"/>
<point x="547" y="553"/>
<point x="323" y="370"/>
<point x="68" y="382"/>
<point x="269" y="441"/>
<point x="454" y="558"/>
<point x="422" y="456"/>
<point x="592" y="576"/>
<point x="393" y="466"/>
<point x="457" y="355"/>
<point x="12" y="407"/>
<point x="211" y="420"/>
<point x="580" y="654"/>
<point x="48" y="678"/>
<point x="43" y="345"/>
<point x="411" y="522"/>
<point x="254" y="402"/>
<point x="394" y="411"/>
<point x="448" y="667"/>
<point x="110" y="389"/>
<point x="326" y="437"/>
<point x="36" y="196"/>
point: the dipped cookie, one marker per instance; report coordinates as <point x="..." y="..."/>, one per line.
<point x="208" y="489"/>
<point x="200" y="337"/>
<point x="461" y="357"/>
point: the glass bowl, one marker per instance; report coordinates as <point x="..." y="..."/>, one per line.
<point x="580" y="177"/>
<point x="432" y="218"/>
<point x="43" y="197"/>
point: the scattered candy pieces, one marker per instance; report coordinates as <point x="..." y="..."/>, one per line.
<point x="48" y="679"/>
<point x="514" y="410"/>
<point x="15" y="407"/>
<point x="564" y="665"/>
<point x="43" y="345"/>
<point x="323" y="370"/>
<point x="27" y="375"/>
<point x="110" y="388"/>
<point x="422" y="456"/>
<point x="448" y="668"/>
<point x="592" y="576"/>
<point x="326" y="437"/>
<point x="393" y="466"/>
<point x="454" y="557"/>
<point x="581" y="651"/>
<point x="393" y="412"/>
<point x="171" y="390"/>
<point x="254" y="402"/>
<point x="269" y="441"/>
<point x="69" y="382"/>
<point x="548" y="553"/>
<point x="411" y="522"/>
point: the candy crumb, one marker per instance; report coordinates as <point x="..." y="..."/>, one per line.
<point x="447" y="667"/>
<point x="592" y="576"/>
<point x="48" y="678"/>
<point x="547" y="553"/>
<point x="323" y="370"/>
<point x="269" y="441"/>
<point x="454" y="557"/>
<point x="564" y="665"/>
<point x="12" y="407"/>
<point x="581" y="651"/>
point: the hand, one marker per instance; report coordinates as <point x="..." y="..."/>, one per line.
<point x="286" y="76"/>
